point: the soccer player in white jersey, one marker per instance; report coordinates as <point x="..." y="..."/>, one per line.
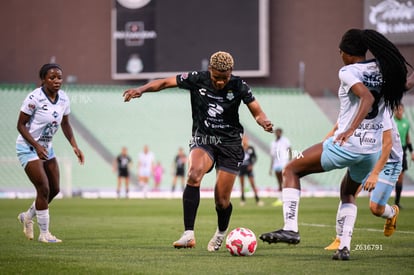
<point x="145" y="168"/>
<point x="42" y="112"/>
<point x="381" y="182"/>
<point x="366" y="87"/>
<point x="280" y="155"/>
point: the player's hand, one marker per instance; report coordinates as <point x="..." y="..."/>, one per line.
<point x="42" y="152"/>
<point x="267" y="126"/>
<point x="371" y="182"/>
<point x="79" y="154"/>
<point x="341" y="138"/>
<point x="132" y="93"/>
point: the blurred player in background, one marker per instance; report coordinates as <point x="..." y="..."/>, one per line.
<point x="280" y="155"/>
<point x="121" y="166"/>
<point x="42" y="112"/>
<point x="403" y="125"/>
<point x="366" y="88"/>
<point x="180" y="161"/>
<point x="216" y="95"/>
<point x="145" y="169"/>
<point x="246" y="170"/>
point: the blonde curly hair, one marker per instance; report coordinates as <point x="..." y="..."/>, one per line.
<point x="221" y="61"/>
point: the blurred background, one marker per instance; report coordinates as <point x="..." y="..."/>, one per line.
<point x="287" y="51"/>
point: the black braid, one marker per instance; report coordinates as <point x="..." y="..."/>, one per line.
<point x="392" y="64"/>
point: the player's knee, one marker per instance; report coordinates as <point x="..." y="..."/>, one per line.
<point x="376" y="209"/>
<point x="194" y="176"/>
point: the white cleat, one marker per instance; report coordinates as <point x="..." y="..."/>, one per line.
<point x="27" y="225"/>
<point x="215" y="243"/>
<point x="187" y="240"/>
<point x="48" y="238"/>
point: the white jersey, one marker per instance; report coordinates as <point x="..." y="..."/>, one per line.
<point x="280" y="151"/>
<point x="145" y="162"/>
<point x="367" y="138"/>
<point x="46" y="116"/>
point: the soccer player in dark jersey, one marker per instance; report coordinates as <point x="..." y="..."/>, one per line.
<point x="121" y="165"/>
<point x="216" y="95"/>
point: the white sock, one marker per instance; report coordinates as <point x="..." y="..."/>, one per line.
<point x="290" y="198"/>
<point x="31" y="212"/>
<point x="339" y="222"/>
<point x="348" y="213"/>
<point x="43" y="220"/>
<point x="388" y="212"/>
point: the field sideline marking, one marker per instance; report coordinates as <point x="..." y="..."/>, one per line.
<point x="356" y="228"/>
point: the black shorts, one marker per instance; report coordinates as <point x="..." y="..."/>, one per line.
<point x="245" y="171"/>
<point x="179" y="172"/>
<point x="124" y="173"/>
<point x="226" y="158"/>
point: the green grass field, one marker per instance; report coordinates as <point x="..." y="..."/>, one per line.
<point x="135" y="237"/>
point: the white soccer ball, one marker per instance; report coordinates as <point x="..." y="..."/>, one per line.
<point x="241" y="242"/>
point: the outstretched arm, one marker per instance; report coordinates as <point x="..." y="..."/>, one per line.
<point x="152" y="86"/>
<point x="260" y="116"/>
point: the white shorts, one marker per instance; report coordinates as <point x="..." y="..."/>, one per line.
<point x="27" y="153"/>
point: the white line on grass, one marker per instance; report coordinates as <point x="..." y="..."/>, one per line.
<point x="361" y="229"/>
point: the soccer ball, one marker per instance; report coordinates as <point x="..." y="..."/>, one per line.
<point x="241" y="242"/>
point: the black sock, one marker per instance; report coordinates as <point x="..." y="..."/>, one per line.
<point x="191" y="200"/>
<point x="223" y="217"/>
<point x="398" y="189"/>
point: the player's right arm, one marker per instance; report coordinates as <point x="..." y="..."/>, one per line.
<point x="152" y="86"/>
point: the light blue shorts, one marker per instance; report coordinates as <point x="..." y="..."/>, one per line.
<point x="386" y="182"/>
<point x="337" y="157"/>
<point x="27" y="153"/>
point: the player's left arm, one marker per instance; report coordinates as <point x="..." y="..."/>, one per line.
<point x="385" y="154"/>
<point x="260" y="117"/>
<point x="67" y="131"/>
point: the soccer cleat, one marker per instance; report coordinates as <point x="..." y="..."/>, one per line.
<point x="48" y="238"/>
<point x="215" y="243"/>
<point x="341" y="254"/>
<point x="281" y="236"/>
<point x="27" y="225"/>
<point x="334" y="245"/>
<point x="260" y="203"/>
<point x="187" y="240"/>
<point x="391" y="223"/>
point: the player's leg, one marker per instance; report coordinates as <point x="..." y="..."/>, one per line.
<point x="200" y="162"/>
<point x="294" y="170"/>
<point x="242" y="198"/>
<point x="126" y="179"/>
<point x="52" y="171"/>
<point x="118" y="186"/>
<point x="380" y="195"/>
<point x="254" y="188"/>
<point x="346" y="216"/>
<point x="222" y="192"/>
<point x="35" y="170"/>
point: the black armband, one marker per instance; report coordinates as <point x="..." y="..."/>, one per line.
<point x="410" y="147"/>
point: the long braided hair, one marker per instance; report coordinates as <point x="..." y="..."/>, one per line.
<point x="392" y="64"/>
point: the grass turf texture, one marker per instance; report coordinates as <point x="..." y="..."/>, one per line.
<point x="135" y="237"/>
